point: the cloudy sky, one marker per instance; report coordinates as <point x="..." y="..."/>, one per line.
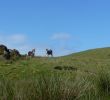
<point x="66" y="26"/>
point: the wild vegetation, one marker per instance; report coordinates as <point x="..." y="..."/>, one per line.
<point x="80" y="76"/>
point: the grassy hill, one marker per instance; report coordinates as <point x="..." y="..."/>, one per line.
<point x="79" y="76"/>
<point x="90" y="60"/>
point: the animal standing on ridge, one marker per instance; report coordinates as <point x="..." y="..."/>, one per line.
<point x="31" y="53"/>
<point x="49" y="52"/>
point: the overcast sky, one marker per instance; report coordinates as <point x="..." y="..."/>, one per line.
<point x="66" y="26"/>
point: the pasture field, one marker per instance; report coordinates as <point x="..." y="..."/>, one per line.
<point x="80" y="76"/>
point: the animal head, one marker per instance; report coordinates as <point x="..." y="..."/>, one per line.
<point x="33" y="50"/>
<point x="46" y="49"/>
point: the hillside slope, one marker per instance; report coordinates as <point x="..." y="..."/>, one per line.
<point x="99" y="53"/>
<point x="89" y="61"/>
<point x="77" y="76"/>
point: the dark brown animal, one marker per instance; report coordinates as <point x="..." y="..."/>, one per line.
<point x="31" y="53"/>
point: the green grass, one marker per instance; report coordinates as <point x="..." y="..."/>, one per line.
<point x="37" y="78"/>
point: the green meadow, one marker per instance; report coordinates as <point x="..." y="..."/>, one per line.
<point x="79" y="76"/>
